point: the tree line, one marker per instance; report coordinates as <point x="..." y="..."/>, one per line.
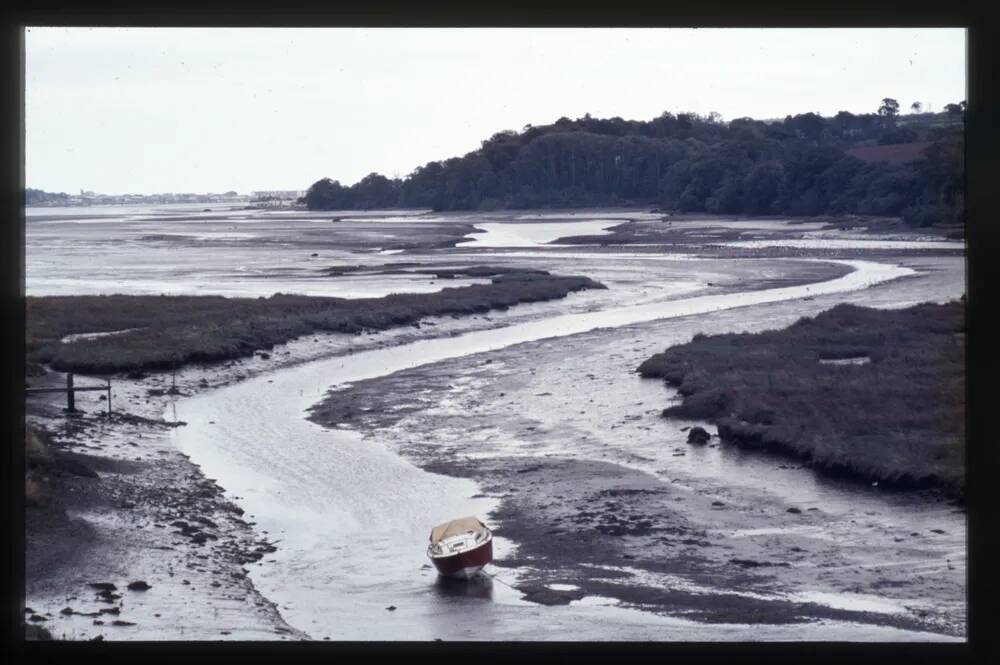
<point x="692" y="163"/>
<point x="36" y="196"/>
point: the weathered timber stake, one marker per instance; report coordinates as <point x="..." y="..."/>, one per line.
<point x="70" y="391"/>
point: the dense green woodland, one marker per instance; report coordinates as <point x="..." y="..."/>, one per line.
<point x="692" y="163"/>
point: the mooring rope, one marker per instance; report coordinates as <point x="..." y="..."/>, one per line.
<point x="493" y="576"/>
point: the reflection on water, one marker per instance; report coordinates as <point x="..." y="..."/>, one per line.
<point x="533" y="235"/>
<point x="479" y="586"/>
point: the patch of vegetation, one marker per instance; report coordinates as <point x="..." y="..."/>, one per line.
<point x="170" y="331"/>
<point x="441" y="272"/>
<point x="899" y="418"/>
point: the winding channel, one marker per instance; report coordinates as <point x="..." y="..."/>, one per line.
<point x="351" y="516"/>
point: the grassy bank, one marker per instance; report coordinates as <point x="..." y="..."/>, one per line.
<point x="877" y="394"/>
<point x="162" y="332"/>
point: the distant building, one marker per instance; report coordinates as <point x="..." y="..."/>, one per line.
<point x="277" y="194"/>
<point x="276" y="198"/>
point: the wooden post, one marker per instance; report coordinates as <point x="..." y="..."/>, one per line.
<point x="70" y="401"/>
<point x="109" y="396"/>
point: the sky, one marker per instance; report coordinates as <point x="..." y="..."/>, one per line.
<point x="152" y="110"/>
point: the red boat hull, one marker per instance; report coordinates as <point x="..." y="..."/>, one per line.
<point x="465" y="564"/>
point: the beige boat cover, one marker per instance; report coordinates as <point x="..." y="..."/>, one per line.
<point x="455" y="527"/>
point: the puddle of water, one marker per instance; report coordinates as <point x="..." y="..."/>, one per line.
<point x="94" y="335"/>
<point x="851" y="601"/>
<point x="595" y="601"/>
<point x="858" y="360"/>
<point x="532" y="235"/>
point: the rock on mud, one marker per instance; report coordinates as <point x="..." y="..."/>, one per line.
<point x="698" y="435"/>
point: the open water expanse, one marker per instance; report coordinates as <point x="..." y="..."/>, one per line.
<point x="351" y="507"/>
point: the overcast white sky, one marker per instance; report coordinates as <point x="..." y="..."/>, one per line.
<point x="148" y="110"/>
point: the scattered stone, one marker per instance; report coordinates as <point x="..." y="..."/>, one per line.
<point x="718" y="503"/>
<point x="138" y="585"/>
<point x="120" y="622"/>
<point x="746" y="563"/>
<point x="103" y="586"/>
<point x="66" y="610"/>
<point x="391" y="608"/>
<point x="37" y="617"/>
<point x="794" y="510"/>
<point x="750" y="563"/>
<point x="98" y="622"/>
<point x="936" y="531"/>
<point x="99" y="638"/>
<point x="698" y="435"/>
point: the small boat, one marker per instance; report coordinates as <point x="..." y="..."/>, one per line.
<point x="460" y="548"/>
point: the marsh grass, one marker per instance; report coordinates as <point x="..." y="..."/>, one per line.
<point x="898" y="419"/>
<point x="172" y="331"/>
